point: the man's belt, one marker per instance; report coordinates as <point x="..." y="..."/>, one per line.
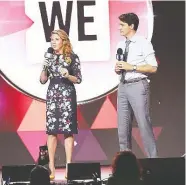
<point x="133" y="80"/>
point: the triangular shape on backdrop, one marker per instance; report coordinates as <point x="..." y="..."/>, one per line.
<point x="90" y="150"/>
<point x="136" y="135"/>
<point x="13" y="107"/>
<point x="78" y="140"/>
<point x="32" y="140"/>
<point x="108" y="140"/>
<point x="81" y="121"/>
<point x="13" y="150"/>
<point x="113" y="98"/>
<point x="89" y="111"/>
<point x="107" y="117"/>
<point x="35" y="117"/>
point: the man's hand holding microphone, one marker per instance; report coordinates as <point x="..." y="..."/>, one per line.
<point x="122" y="65"/>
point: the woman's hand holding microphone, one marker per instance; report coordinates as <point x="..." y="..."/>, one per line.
<point x="45" y="64"/>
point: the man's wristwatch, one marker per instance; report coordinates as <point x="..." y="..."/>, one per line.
<point x="134" y="67"/>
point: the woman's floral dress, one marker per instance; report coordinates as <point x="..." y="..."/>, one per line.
<point x="61" y="103"/>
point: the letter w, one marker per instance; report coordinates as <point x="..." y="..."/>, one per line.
<point x="56" y="12"/>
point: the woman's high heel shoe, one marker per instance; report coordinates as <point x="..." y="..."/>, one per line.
<point x="52" y="177"/>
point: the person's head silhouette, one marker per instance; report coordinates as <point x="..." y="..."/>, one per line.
<point x="39" y="176"/>
<point x="126" y="166"/>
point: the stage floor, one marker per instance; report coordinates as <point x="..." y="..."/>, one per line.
<point x="60" y="173"/>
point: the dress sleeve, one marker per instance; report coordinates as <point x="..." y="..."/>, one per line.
<point x="76" y="68"/>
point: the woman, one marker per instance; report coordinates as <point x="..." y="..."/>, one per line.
<point x="63" y="70"/>
<point x="125" y="170"/>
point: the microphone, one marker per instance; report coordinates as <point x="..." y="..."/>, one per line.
<point x="119" y="55"/>
<point x="48" y="55"/>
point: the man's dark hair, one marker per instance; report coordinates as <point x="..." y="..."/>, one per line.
<point x="130" y="18"/>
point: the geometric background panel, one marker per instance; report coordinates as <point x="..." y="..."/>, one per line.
<point x="90" y="150"/>
<point x="12" y="23"/>
<point x="90" y="110"/>
<point x="13" y="150"/>
<point x="79" y="139"/>
<point x="113" y="99"/>
<point x="107" y="116"/>
<point x="35" y="117"/>
<point x="81" y="121"/>
<point x="13" y="107"/>
<point x="108" y="140"/>
<point x="32" y="140"/>
<point x="136" y="135"/>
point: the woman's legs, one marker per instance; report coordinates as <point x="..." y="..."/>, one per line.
<point x="52" y="144"/>
<point x="69" y="145"/>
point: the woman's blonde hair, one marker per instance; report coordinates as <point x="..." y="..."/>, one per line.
<point x="67" y="47"/>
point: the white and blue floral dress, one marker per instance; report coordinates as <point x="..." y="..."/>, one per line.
<point x="61" y="102"/>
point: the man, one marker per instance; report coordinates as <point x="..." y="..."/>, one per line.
<point x="133" y="91"/>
